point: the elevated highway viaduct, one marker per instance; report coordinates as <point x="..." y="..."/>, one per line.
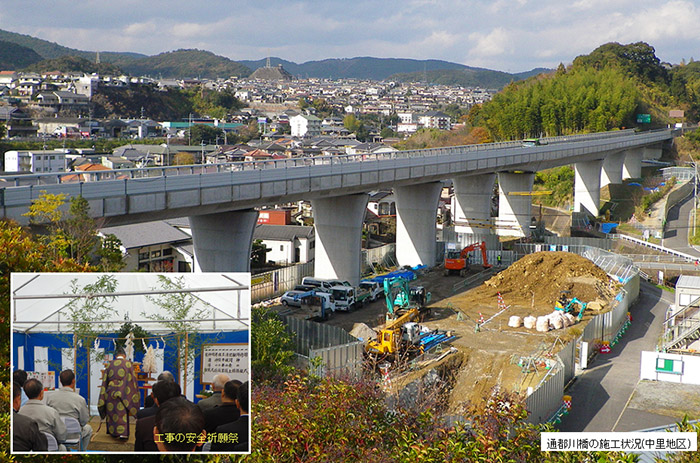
<point x="219" y="199"/>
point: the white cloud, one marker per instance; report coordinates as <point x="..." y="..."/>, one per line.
<point x="513" y="35"/>
<point x="493" y="43"/>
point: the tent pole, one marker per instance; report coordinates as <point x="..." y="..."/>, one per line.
<point x="187" y="360"/>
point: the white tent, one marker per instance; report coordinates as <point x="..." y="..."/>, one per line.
<point x="40" y="301"/>
<point x="47" y="307"/>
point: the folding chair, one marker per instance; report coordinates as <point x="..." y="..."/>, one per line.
<point x="73" y="429"/>
<point x="53" y="445"/>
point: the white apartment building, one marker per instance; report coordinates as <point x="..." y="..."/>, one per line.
<point x="303" y="125"/>
<point x="35" y="162"/>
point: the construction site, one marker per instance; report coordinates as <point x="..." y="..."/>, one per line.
<point x="504" y="332"/>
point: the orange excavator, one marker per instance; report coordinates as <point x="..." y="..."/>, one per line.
<point x="458" y="261"/>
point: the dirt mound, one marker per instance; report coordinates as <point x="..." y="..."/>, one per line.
<point x="544" y="275"/>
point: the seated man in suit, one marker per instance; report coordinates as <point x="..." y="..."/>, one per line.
<point x="217" y="384"/>
<point x="238" y="429"/>
<point x="148" y="402"/>
<point x="227" y="411"/>
<point x="46" y="417"/>
<point x="69" y="403"/>
<point x="25" y="431"/>
<point x="175" y="418"/>
<point x="162" y="392"/>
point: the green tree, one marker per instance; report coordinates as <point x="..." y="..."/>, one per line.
<point x="74" y="234"/>
<point x="183" y="159"/>
<point x="351" y="123"/>
<point x="271" y="346"/>
<point x="258" y="254"/>
<point x="199" y="133"/>
<point x="179" y="313"/>
<point x="387" y="133"/>
<point x="249" y="132"/>
<point x="3" y="130"/>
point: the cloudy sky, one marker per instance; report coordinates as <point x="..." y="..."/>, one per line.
<point x="506" y="35"/>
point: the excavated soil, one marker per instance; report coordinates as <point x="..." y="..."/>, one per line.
<point x="517" y="358"/>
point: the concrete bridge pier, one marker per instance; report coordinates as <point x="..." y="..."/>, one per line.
<point x="632" y="165"/>
<point x="223" y="241"/>
<point x="472" y="202"/>
<point x="514" y="210"/>
<point x="416" y="211"/>
<point x="338" y="224"/>
<point x="611" y="172"/>
<point x="653" y="151"/>
<point x="587" y="186"/>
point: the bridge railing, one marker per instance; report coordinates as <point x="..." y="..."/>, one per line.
<point x="17" y="180"/>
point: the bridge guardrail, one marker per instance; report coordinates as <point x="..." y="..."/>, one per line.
<point x="151" y="172"/>
<point x="656" y="247"/>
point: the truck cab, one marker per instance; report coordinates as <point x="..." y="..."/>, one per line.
<point x="345" y="297"/>
<point x="375" y="289"/>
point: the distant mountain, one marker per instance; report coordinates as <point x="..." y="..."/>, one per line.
<point x="466" y="77"/>
<point x="184" y="64"/>
<point x="51" y="50"/>
<point x="359" y="68"/>
<point x="200" y="63"/>
<point x="68" y="64"/>
<point x="14" y="57"/>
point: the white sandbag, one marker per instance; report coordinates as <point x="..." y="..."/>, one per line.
<point x="556" y="320"/>
<point x="515" y="321"/>
<point x="542" y="324"/>
<point x="571" y="318"/>
<point x="566" y="320"/>
<point x="530" y="322"/>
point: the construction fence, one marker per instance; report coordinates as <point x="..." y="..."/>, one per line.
<point x="546" y="399"/>
<point x="338" y="352"/>
<point x="271" y="284"/>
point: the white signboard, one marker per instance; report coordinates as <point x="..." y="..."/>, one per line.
<point x="47" y="378"/>
<point x="232" y="359"/>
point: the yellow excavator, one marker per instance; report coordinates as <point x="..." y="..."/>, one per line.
<point x="390" y="339"/>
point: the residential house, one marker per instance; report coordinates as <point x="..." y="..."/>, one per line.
<point x="287" y="244"/>
<point x="35" y="161"/>
<point x="370" y="148"/>
<point x="153" y="246"/>
<point x="435" y="120"/>
<point x="303" y="125"/>
<point x="62" y="100"/>
<point x="17" y="123"/>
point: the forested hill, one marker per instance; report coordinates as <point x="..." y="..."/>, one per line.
<point x="466" y="77"/>
<point x="184" y="64"/>
<point x="51" y="50"/>
<point x="601" y="91"/>
<point x="14" y="56"/>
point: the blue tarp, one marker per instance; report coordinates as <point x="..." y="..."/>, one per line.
<point x="607" y="227"/>
<point x="407" y="274"/>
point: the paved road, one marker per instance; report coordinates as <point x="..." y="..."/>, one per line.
<point x="677" y="226"/>
<point x="600" y="394"/>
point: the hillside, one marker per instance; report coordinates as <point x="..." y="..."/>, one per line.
<point x="184" y="64"/>
<point x="465" y="77"/>
<point x="604" y="90"/>
<point x="51" y="50"/>
<point x="14" y="57"/>
<point x="68" y="64"/>
<point x="359" y="67"/>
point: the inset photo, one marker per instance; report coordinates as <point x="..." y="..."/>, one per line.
<point x="130" y="362"/>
